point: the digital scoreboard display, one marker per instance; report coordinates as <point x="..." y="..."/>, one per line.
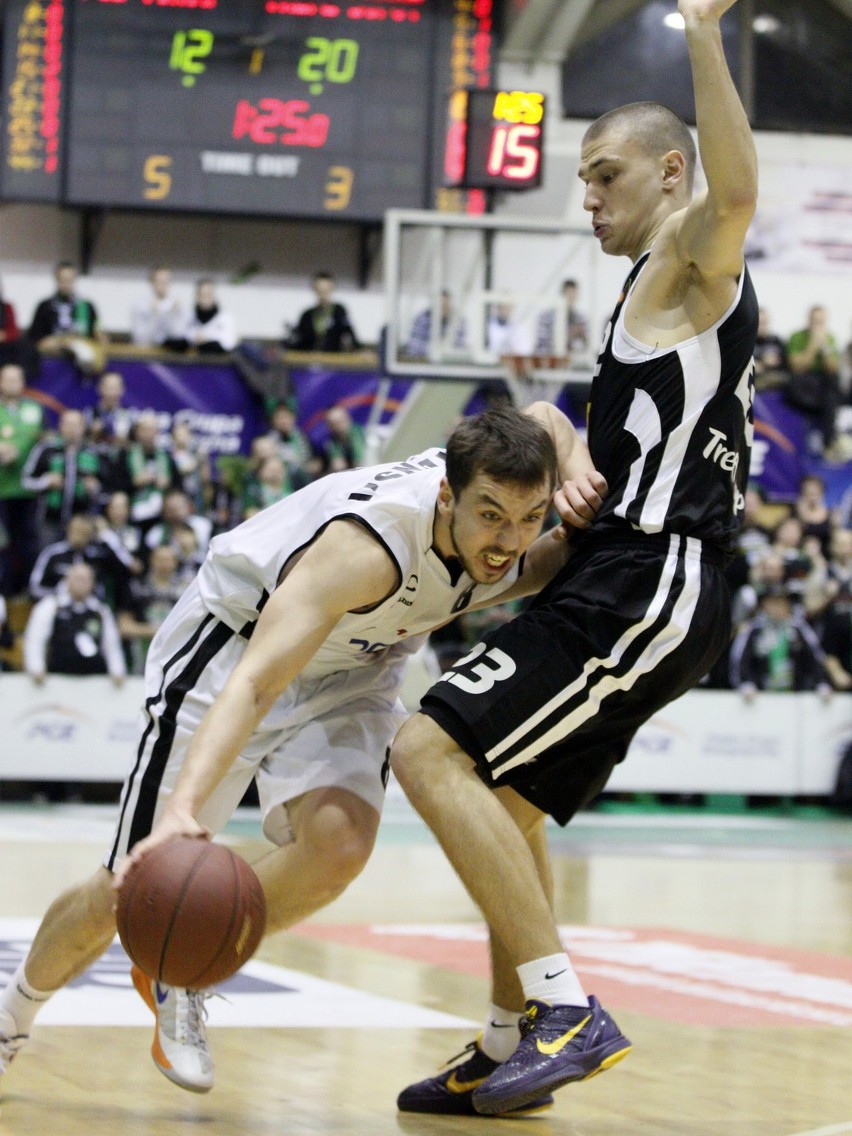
<point x="495" y="139"/>
<point x="240" y="106"/>
<point x="279" y="108"/>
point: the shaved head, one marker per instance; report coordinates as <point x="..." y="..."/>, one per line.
<point x="654" y="127"/>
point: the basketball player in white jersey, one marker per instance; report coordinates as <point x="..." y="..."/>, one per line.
<point x="543" y="709"/>
<point x="282" y="663"/>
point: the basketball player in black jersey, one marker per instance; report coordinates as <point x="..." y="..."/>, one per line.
<point x="533" y="721"/>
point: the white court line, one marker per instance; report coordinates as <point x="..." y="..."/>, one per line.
<point x="832" y="1130"/>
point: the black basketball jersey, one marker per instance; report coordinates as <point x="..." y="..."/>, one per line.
<point x="75" y="641"/>
<point x="671" y="428"/>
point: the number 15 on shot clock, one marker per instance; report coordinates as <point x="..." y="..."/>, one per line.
<point x="495" y="139"/>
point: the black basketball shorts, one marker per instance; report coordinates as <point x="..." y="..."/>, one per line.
<point x="549" y="703"/>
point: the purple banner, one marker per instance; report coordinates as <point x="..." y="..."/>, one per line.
<point x="780" y="442"/>
<point x="318" y="388"/>
<point x="212" y="398"/>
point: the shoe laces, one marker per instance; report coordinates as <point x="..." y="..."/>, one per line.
<point x="470" y="1048"/>
<point x="529" y="1021"/>
<point x="9" y="1046"/>
<point x="193" y="1016"/>
<point x="183" y="1016"/>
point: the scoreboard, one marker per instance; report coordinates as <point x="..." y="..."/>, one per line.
<point x="301" y="108"/>
<point x="495" y="139"/>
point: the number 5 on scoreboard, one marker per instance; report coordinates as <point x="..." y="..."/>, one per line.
<point x="338" y="188"/>
<point x="156" y="174"/>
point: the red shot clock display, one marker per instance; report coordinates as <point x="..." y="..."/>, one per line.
<point x="495" y="139"/>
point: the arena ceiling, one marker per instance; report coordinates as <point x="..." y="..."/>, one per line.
<point x="546" y="30"/>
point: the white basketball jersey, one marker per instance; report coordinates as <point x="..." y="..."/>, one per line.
<point x="396" y="503"/>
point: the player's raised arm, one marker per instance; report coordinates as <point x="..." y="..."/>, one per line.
<point x="714" y="226"/>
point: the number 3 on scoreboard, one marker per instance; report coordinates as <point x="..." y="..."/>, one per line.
<point x="156" y="174"/>
<point x="338" y="188"/>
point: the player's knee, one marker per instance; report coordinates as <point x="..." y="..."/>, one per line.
<point x="409" y="752"/>
<point x="341" y="837"/>
<point x="424" y="758"/>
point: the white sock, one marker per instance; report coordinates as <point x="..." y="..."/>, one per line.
<point x="501" y="1034"/>
<point x="552" y="979"/>
<point x="22" y="1001"/>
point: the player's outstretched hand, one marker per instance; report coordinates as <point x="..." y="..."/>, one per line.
<point x="577" y="501"/>
<point x="172" y="823"/>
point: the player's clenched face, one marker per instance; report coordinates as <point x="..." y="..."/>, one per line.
<point x="490" y="524"/>
<point x="624" y="192"/>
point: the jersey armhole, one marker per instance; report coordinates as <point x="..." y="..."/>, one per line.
<point x="297" y="553"/>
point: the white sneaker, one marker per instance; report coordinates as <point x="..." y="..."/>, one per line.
<point x="10" y="1040"/>
<point x="180" y="1049"/>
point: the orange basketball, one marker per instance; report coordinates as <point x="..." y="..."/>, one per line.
<point x="190" y="913"/>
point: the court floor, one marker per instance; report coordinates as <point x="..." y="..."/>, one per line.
<point x="722" y="945"/>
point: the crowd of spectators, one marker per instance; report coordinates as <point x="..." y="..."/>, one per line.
<point x="106" y="502"/>
<point x="791" y="585"/>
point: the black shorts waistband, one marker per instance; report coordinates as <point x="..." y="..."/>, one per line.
<point x="591" y="543"/>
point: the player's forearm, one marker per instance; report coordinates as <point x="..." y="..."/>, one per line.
<point x="572" y="454"/>
<point x="217" y="743"/>
<point x="725" y="140"/>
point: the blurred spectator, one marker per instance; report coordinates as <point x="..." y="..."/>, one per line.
<point x="65" y="322"/>
<point x="176" y="516"/>
<point x="504" y="335"/>
<point x="114" y="525"/>
<point x="812" y="510"/>
<point x="292" y="446"/>
<point x="147" y="601"/>
<point x="108" y="427"/>
<point x="326" y="326"/>
<point x="452" y="332"/>
<point x="10" y="333"/>
<point x="777" y="649"/>
<point x="768" y="569"/>
<point x="72" y="632"/>
<point x="66" y="471"/>
<point x="752" y="538"/>
<point x="233" y="473"/>
<point x="190" y="553"/>
<point x="109" y="421"/>
<point x="192" y="466"/>
<point x="159" y="320"/>
<point x="832" y="582"/>
<point x="344" y="448"/>
<point x="576" y="325"/>
<point x="151" y="471"/>
<point x="271" y="484"/>
<point x="106" y="556"/>
<point x="209" y="330"/>
<point x="771" y="368"/>
<point x="20" y="430"/>
<point x="836" y="622"/>
<point x="814" y="386"/>
<point x="787" y="541"/>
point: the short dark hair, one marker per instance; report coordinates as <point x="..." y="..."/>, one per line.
<point x="656" y="128"/>
<point x="504" y="444"/>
